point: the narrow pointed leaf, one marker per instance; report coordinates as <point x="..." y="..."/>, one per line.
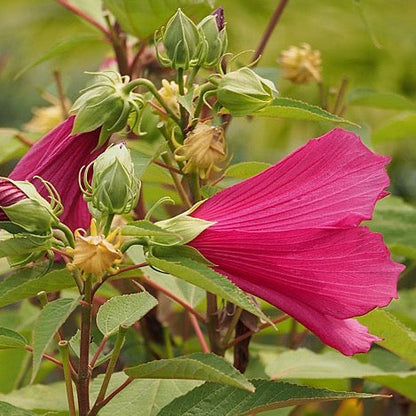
<point x="298" y="110"/>
<point x="7" y="409"/>
<point x="211" y="399"/>
<point x="124" y="310"/>
<point x="206" y="278"/>
<point x="51" y="318"/>
<point x="27" y="282"/>
<point x="197" y="366"/>
<point x="11" y="339"/>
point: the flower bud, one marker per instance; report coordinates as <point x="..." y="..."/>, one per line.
<point x="170" y="92"/>
<point x="182" y="42"/>
<point x="215" y="39"/>
<point x="202" y="149"/>
<point x="300" y="64"/>
<point x="22" y="209"/>
<point x="114" y="188"/>
<point x="243" y="92"/>
<point x="106" y="104"/>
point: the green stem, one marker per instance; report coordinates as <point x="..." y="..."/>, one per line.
<point x="231" y="328"/>
<point x="143" y="82"/>
<point x="84" y="372"/>
<point x="68" y="234"/>
<point x="64" y="348"/>
<point x="193" y="180"/>
<point x="203" y="90"/>
<point x="192" y="76"/>
<point x="107" y="225"/>
<point x="181" y="86"/>
<point x="111" y="365"/>
<point x="168" y="342"/>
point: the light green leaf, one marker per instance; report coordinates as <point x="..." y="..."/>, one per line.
<point x="143" y="228"/>
<point x="27" y="282"/>
<point x="140" y="161"/>
<point x="400" y="128"/>
<point x="197" y="366"/>
<point x="20" y="244"/>
<point x="246" y="170"/>
<point x="143" y="18"/>
<point x="405" y="386"/>
<point x="124" y="310"/>
<point x="201" y="275"/>
<point x="7" y="409"/>
<point x="211" y="399"/>
<point x="51" y="318"/>
<point x="306" y="364"/>
<point x="298" y="110"/>
<point x="397" y="338"/>
<point x="396" y="220"/>
<point x="74" y="343"/>
<point x="370" y="98"/>
<point x="11" y="147"/>
<point x="11" y="339"/>
<point x="40" y="397"/>
<point x="93" y="8"/>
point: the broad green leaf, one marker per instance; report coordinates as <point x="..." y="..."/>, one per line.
<point x="143" y="18"/>
<point x="212" y="399"/>
<point x="19" y="245"/>
<point x="13" y="363"/>
<point x="246" y="170"/>
<point x="298" y="110"/>
<point x="370" y="98"/>
<point x="141" y="397"/>
<point x="51" y="318"/>
<point x="197" y="366"/>
<point x="124" y="310"/>
<point x="74" y="343"/>
<point x="64" y="47"/>
<point x="27" y="282"/>
<point x="206" y="278"/>
<point x="306" y="364"/>
<point x="11" y="339"/>
<point x="397" y="338"/>
<point x="7" y="409"/>
<point x="50" y="397"/>
<point x="396" y="220"/>
<point x="143" y="228"/>
<point x="399" y="128"/>
<point x="11" y="147"/>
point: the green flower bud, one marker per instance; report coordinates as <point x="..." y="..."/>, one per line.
<point x="23" y="210"/>
<point x="243" y="92"/>
<point x="182" y="42"/>
<point x="215" y="42"/>
<point x="106" y="104"/>
<point x="114" y="188"/>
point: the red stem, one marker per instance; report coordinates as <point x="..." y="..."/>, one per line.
<point x="199" y="333"/>
<point x="48" y="357"/>
<point x="98" y="352"/>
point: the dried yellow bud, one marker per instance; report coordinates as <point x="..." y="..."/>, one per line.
<point x="300" y="64"/>
<point x="94" y="253"/>
<point x="170" y="92"/>
<point x="202" y="149"/>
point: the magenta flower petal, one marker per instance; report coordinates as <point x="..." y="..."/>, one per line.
<point x="332" y="181"/>
<point x="291" y="236"/>
<point x="57" y="158"/>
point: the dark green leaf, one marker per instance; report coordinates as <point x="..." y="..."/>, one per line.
<point x="197" y="366"/>
<point x="211" y="399"/>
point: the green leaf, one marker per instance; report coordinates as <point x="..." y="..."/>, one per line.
<point x="204" y="277"/>
<point x="141" y="397"/>
<point x="396" y="220"/>
<point x="197" y="366"/>
<point x="405" y="386"/>
<point x="11" y="147"/>
<point x="143" y="228"/>
<point x="306" y="364"/>
<point x="397" y="338"/>
<point x="370" y="98"/>
<point x="27" y="282"/>
<point x="246" y="170"/>
<point x="211" y="399"/>
<point x="124" y="310"/>
<point x="399" y="128"/>
<point x="40" y="397"/>
<point x="143" y="18"/>
<point x="7" y="409"/>
<point x="298" y="110"/>
<point x="64" y="47"/>
<point x="51" y="318"/>
<point x="19" y="244"/>
<point x="11" y="339"/>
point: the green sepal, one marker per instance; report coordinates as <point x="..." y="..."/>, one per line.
<point x="215" y="42"/>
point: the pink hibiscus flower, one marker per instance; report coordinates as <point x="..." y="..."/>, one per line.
<point x="291" y="236"/>
<point x="57" y="158"/>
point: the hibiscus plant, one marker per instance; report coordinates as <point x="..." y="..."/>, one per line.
<point x="145" y="260"/>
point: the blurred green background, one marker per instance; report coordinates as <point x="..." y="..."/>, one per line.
<point x="372" y="42"/>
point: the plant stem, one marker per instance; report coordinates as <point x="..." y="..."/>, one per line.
<point x="269" y="29"/>
<point x="84" y="371"/>
<point x="212" y="325"/>
<point x="193" y="180"/>
<point x="107" y="225"/>
<point x="61" y="95"/>
<point x="340" y="96"/>
<point x="111" y="365"/>
<point x="67" y="232"/>
<point x="231" y="327"/>
<point x="86" y="17"/>
<point x="202" y="91"/>
<point x="198" y="332"/>
<point x="118" y="48"/>
<point x="46" y="356"/>
<point x="98" y="352"/>
<point x="181" y="87"/>
<point x="22" y="138"/>
<point x="63" y="346"/>
<point x="168" y="342"/>
<point x="166" y="166"/>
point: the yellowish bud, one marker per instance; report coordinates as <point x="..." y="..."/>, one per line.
<point x="203" y="148"/>
<point x="94" y="253"/>
<point x="170" y="92"/>
<point x="300" y="64"/>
